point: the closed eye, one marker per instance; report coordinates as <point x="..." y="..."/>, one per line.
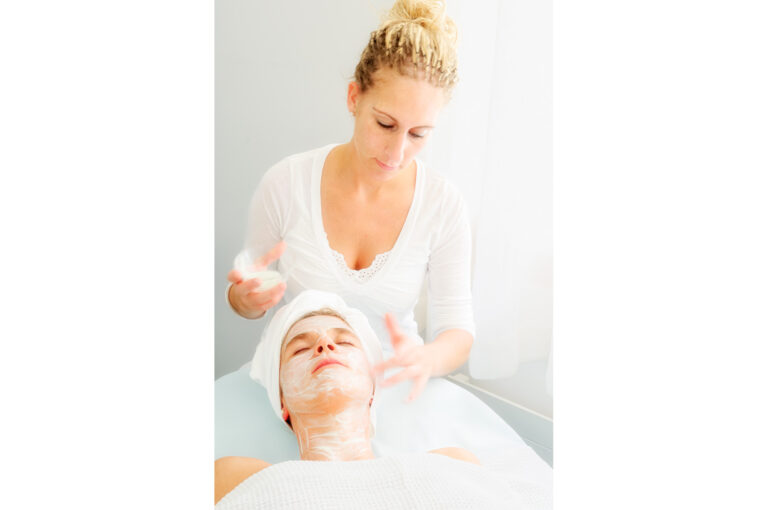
<point x="299" y="350"/>
<point x="391" y="126"/>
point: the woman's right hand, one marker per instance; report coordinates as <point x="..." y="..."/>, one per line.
<point x="244" y="295"/>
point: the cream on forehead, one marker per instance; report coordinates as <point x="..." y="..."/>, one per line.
<point x="319" y="324"/>
<point x="331" y="401"/>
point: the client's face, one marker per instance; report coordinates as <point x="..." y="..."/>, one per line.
<point x="323" y="367"/>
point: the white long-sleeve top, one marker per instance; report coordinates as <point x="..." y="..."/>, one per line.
<point x="434" y="243"/>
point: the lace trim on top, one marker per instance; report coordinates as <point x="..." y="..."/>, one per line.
<point x="365" y="274"/>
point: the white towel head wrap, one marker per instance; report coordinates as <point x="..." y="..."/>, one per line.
<point x="265" y="367"/>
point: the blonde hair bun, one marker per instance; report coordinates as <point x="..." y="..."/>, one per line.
<point x="429" y="14"/>
<point x="416" y="38"/>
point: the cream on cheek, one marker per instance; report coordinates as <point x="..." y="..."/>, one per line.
<point x="329" y="408"/>
<point x="305" y="391"/>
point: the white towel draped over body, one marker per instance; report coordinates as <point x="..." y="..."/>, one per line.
<point x="418" y="481"/>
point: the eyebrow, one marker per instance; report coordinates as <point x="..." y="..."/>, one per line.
<point x="300" y="336"/>
<point x="394" y="119"/>
<point x="297" y="337"/>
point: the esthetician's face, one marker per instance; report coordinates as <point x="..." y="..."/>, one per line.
<point x="323" y="366"/>
<point x="393" y="120"/>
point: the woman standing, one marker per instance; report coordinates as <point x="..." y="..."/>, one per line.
<point x="366" y="219"/>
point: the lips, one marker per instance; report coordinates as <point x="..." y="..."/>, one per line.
<point x="325" y="362"/>
<point x="385" y="167"/>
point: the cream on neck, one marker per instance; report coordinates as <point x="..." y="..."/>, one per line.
<point x="342" y="436"/>
<point x="329" y="406"/>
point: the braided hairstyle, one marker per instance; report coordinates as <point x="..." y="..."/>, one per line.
<point x="417" y="39"/>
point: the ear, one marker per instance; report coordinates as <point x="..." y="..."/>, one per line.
<point x="353" y="96"/>
<point x="284" y="410"/>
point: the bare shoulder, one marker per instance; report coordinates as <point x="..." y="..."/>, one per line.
<point x="230" y="471"/>
<point x="457" y="453"/>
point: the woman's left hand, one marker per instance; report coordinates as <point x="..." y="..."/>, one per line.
<point x="409" y="354"/>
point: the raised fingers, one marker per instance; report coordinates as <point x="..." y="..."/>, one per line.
<point x="418" y="387"/>
<point x="272" y="255"/>
<point x="235" y="276"/>
<point x="404" y="374"/>
<point x="391" y="323"/>
<point x="392" y="362"/>
<point x="395" y="334"/>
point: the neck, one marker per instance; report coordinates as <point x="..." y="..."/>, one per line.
<point x="340" y="436"/>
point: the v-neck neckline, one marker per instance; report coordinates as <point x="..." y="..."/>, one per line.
<point x="322" y="236"/>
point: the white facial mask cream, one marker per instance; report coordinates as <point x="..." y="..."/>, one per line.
<point x="268" y="279"/>
<point x="327" y="385"/>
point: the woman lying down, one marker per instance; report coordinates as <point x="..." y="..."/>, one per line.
<point x="315" y="360"/>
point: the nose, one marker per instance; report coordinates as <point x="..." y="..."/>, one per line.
<point x="396" y="149"/>
<point x="324" y="342"/>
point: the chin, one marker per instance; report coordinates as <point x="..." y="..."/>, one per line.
<point x="386" y="173"/>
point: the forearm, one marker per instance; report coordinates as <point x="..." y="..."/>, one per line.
<point x="449" y="350"/>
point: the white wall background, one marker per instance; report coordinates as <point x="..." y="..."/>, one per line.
<point x="281" y="74"/>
